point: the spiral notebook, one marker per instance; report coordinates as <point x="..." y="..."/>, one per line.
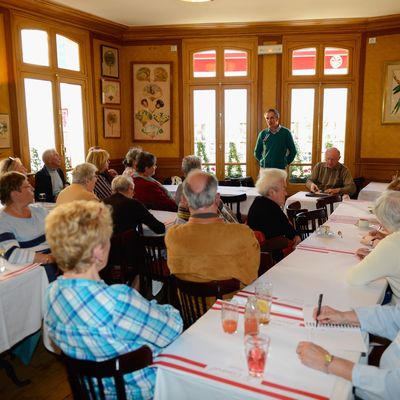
<point x="335" y="337"/>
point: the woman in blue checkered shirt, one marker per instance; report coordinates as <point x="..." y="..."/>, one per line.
<point x="90" y="320"/>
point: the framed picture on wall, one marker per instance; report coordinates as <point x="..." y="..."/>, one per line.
<point x="152" y="103"/>
<point x="110" y="92"/>
<point x="5" y="131"/>
<point x="391" y="93"/>
<point x="109" y="62"/>
<point x="112" y="123"/>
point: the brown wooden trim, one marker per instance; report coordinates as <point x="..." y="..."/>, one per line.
<point x="180" y="98"/>
<point x="378" y="169"/>
<point x="167" y="167"/>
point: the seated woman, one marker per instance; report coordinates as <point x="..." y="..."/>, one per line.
<point x="83" y="180"/>
<point x="22" y="226"/>
<point x="384" y="260"/>
<point x="130" y="161"/>
<point x="149" y="191"/>
<point x="90" y="320"/>
<point x="12" y="164"/>
<point x="129" y="213"/>
<point x="370" y="382"/>
<point x="100" y="159"/>
<point x="266" y="215"/>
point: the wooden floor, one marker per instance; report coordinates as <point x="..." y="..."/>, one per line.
<point x="47" y="375"/>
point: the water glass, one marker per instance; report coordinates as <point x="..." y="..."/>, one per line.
<point x="256" y="350"/>
<point x="229" y="316"/>
<point x="263" y="293"/>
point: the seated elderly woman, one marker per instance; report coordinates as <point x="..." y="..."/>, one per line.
<point x="370" y="382"/>
<point x="129" y="213"/>
<point x="21" y="225"/>
<point x="266" y="215"/>
<point x="100" y="159"/>
<point x="90" y="320"/>
<point x="83" y="180"/>
<point x="384" y="260"/>
<point x="149" y="191"/>
<point x="12" y="164"/>
<point x="130" y="161"/>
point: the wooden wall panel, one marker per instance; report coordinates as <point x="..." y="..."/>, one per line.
<point x="379" y="170"/>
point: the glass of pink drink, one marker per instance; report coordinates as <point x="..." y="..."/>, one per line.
<point x="229" y="316"/>
<point x="256" y="348"/>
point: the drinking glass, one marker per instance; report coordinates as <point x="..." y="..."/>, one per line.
<point x="229" y="316"/>
<point x="263" y="293"/>
<point x="256" y="350"/>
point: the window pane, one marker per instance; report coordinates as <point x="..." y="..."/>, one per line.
<point x="204" y="126"/>
<point x="304" y="61"/>
<point x="301" y="125"/>
<point x="67" y="53"/>
<point x="235" y="63"/>
<point x="39" y="112"/>
<point x="72" y="122"/>
<point x="205" y="64"/>
<point x="336" y="61"/>
<point x="35" y="47"/>
<point x="235" y="122"/>
<point x="334" y="120"/>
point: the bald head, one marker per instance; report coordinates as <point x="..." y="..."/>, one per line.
<point x="332" y="156"/>
<point x="200" y="189"/>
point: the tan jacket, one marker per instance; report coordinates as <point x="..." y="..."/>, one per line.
<point x="75" y="192"/>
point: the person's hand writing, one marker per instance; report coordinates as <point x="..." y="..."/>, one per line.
<point x="332" y="191"/>
<point x="312" y="355"/>
<point x="314" y="188"/>
<point x="329" y="315"/>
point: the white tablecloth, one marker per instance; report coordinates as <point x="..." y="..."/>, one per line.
<point x="166" y="217"/>
<point x="21" y="306"/>
<point x="205" y="363"/>
<point x="251" y="193"/>
<point x="310" y="203"/>
<point x="372" y="191"/>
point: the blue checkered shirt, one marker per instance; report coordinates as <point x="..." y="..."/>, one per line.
<point x="90" y="320"/>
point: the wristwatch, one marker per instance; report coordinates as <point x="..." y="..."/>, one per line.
<point x="328" y="358"/>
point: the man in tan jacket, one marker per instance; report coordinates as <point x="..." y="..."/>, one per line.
<point x="206" y="248"/>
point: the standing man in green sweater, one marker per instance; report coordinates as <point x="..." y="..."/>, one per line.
<point x="275" y="146"/>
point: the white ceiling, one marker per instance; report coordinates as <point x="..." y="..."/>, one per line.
<point x="177" y="12"/>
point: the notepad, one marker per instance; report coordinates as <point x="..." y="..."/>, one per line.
<point x="337" y="337"/>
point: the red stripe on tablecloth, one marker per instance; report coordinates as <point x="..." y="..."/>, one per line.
<point x="224" y="380"/>
<point x="307" y="247"/>
<point x="19" y="271"/>
<point x="184" y="359"/>
<point x="314" y="251"/>
<point x="287" y="305"/>
<point x="298" y="391"/>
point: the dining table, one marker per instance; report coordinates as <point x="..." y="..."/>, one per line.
<point x="307" y="200"/>
<point x="372" y="191"/>
<point x="206" y="363"/>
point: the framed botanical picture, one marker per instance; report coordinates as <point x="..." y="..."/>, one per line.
<point x="112" y="123"/>
<point x="152" y="105"/>
<point x="110" y="92"/>
<point x="5" y="131"/>
<point x="391" y="93"/>
<point x="109" y="62"/>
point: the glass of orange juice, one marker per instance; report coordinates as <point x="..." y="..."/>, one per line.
<point x="229" y="316"/>
<point x="263" y="293"/>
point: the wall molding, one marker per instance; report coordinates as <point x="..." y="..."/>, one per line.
<point x="378" y="169"/>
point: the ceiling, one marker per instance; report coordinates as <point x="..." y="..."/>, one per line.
<point x="177" y="12"/>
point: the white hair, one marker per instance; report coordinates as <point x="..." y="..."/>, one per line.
<point x="270" y="178"/>
<point x="387" y="210"/>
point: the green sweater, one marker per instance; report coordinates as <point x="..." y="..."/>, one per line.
<point x="275" y="150"/>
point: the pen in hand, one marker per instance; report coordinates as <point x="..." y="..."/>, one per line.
<point x="319" y="307"/>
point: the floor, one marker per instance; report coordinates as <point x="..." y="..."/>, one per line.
<point x="47" y="375"/>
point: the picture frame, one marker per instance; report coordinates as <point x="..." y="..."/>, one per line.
<point x="110" y="92"/>
<point x="152" y="101"/>
<point x="5" y="131"/>
<point x="112" y="123"/>
<point x="109" y="61"/>
<point x="391" y="93"/>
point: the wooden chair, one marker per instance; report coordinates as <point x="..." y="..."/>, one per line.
<point x="194" y="297"/>
<point x="86" y="377"/>
<point x="292" y="210"/>
<point x="230" y="201"/>
<point x="324" y="202"/>
<point x="307" y="222"/>
<point x="360" y="183"/>
<point x="228" y="182"/>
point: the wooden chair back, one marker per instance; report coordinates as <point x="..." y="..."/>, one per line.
<point x="235" y="200"/>
<point x="328" y="202"/>
<point x="86" y="377"/>
<point x="307" y="222"/>
<point x="292" y="210"/>
<point x="194" y="297"/>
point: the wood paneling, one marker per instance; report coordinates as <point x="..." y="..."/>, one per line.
<point x="379" y="169"/>
<point x="167" y="167"/>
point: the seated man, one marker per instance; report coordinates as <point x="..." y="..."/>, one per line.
<point x="50" y="180"/>
<point x="331" y="176"/>
<point x="206" y="248"/>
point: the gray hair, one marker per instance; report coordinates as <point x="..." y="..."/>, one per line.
<point x="333" y="149"/>
<point x="206" y="197"/>
<point x="47" y="154"/>
<point x="270" y="178"/>
<point x="189" y="163"/>
<point x="121" y="184"/>
<point x="387" y="210"/>
<point x="83" y="173"/>
<point x="131" y="155"/>
<point x="273" y="110"/>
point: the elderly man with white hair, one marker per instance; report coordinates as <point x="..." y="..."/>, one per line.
<point x="266" y="213"/>
<point x="50" y="180"/>
<point x="331" y="176"/>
